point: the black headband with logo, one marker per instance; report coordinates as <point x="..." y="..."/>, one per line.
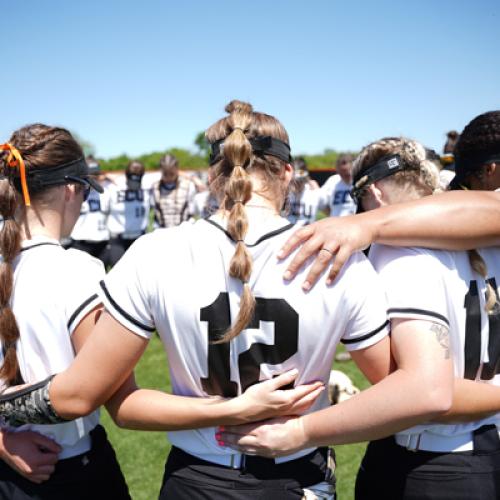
<point x="469" y="165"/>
<point x="74" y="171"/>
<point x="385" y="167"/>
<point x="261" y="145"/>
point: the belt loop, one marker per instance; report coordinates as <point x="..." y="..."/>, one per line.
<point x="232" y="463"/>
<point x="413" y="442"/>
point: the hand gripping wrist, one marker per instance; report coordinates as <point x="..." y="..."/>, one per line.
<point x="30" y="405"/>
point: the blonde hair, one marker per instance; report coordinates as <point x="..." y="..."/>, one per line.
<point x="421" y="177"/>
<point x="232" y="185"/>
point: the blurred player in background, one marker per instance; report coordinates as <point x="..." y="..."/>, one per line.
<point x="172" y="194"/>
<point x="304" y="196"/>
<point x="336" y="197"/>
<point x="91" y="233"/>
<point x="129" y="208"/>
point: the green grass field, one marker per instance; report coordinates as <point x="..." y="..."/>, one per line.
<point x="142" y="454"/>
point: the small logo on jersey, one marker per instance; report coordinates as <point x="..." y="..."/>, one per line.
<point x="393" y="163"/>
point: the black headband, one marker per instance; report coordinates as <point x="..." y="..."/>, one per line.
<point x="470" y="165"/>
<point x="386" y="166"/>
<point x="261" y="145"/>
<point x="41" y="178"/>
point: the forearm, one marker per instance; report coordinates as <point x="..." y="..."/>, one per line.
<point x="145" y="409"/>
<point x="394" y="404"/>
<point x="471" y="401"/>
<point x="452" y="220"/>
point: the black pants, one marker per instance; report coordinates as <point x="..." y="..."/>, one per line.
<point x="390" y="472"/>
<point x="117" y="247"/>
<point x="97" y="249"/>
<point x="187" y="477"/>
<point x="95" y="475"/>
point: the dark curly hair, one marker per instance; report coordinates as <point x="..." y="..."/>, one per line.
<point x="480" y="136"/>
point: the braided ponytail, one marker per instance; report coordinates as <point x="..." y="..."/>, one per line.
<point x="10" y="245"/>
<point x="237" y="152"/>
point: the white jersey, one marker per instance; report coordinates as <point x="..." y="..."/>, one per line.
<point x="304" y="206"/>
<point x="441" y="286"/>
<point x="176" y="281"/>
<point x="92" y="223"/>
<point x="203" y="205"/>
<point x="336" y="195"/>
<point x="128" y="210"/>
<point x="53" y="290"/>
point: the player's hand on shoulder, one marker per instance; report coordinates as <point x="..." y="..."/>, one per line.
<point x="270" y="398"/>
<point x="332" y="241"/>
<point x="30" y="454"/>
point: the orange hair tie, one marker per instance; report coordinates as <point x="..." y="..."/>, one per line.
<point x="13" y="160"/>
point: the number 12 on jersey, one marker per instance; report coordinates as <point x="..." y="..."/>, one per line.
<point x="286" y="339"/>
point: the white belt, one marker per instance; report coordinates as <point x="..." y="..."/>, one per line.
<point x="80" y="447"/>
<point x="434" y="442"/>
<point x="237" y="460"/>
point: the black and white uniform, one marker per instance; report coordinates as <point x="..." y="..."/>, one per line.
<point x="203" y="205"/>
<point x="303" y="206"/>
<point x="91" y="233"/>
<point x="54" y="289"/>
<point x="128" y="217"/>
<point x="336" y="195"/>
<point x="434" y="461"/>
<point x="176" y="281"/>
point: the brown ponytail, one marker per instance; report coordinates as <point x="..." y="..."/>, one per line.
<point x="232" y="185"/>
<point x="10" y="245"/>
<point x="40" y="146"/>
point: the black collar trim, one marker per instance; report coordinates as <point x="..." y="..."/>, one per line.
<point x="40" y="245"/>
<point x="260" y="240"/>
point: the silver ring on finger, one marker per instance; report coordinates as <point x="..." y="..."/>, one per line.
<point x="329" y="251"/>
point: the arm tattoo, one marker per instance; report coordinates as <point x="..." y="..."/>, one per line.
<point x="443" y="337"/>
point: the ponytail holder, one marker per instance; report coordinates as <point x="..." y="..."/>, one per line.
<point x="240" y="241"/>
<point x="15" y="160"/>
<point x="238" y="201"/>
<point x="238" y="128"/>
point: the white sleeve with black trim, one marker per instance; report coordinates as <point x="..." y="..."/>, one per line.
<point x="364" y="304"/>
<point x="85" y="273"/>
<point x="413" y="282"/>
<point x="125" y="291"/>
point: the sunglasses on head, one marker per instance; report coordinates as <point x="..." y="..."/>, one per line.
<point x="82" y="182"/>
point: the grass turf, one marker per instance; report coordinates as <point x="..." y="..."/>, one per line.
<point x="142" y="454"/>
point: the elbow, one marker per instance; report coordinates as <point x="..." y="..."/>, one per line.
<point x="76" y="408"/>
<point x="438" y="401"/>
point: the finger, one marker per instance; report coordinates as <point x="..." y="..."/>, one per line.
<point x="302" y="391"/>
<point x="46" y="444"/>
<point x="295" y="240"/>
<point x="340" y="259"/>
<point x="311" y="247"/>
<point x="234" y="440"/>
<point x="39" y="478"/>
<point x="283" y="379"/>
<point x="239" y="430"/>
<point x="307" y="401"/>
<point x="45" y="470"/>
<point x="321" y="262"/>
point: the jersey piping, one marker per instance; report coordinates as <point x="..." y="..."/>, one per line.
<point x="260" y="240"/>
<point x="421" y="312"/>
<point x="39" y="245"/>
<point x="80" y="308"/>
<point x="124" y="313"/>
<point x="366" y="336"/>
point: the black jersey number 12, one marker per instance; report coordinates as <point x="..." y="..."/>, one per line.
<point x="286" y="338"/>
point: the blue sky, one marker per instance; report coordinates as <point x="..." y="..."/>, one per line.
<point x="137" y="77"/>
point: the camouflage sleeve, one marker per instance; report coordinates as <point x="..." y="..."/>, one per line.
<point x="30" y="405"/>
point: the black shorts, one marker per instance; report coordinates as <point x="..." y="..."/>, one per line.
<point x="392" y="472"/>
<point x="95" y="475"/>
<point x="190" y="478"/>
